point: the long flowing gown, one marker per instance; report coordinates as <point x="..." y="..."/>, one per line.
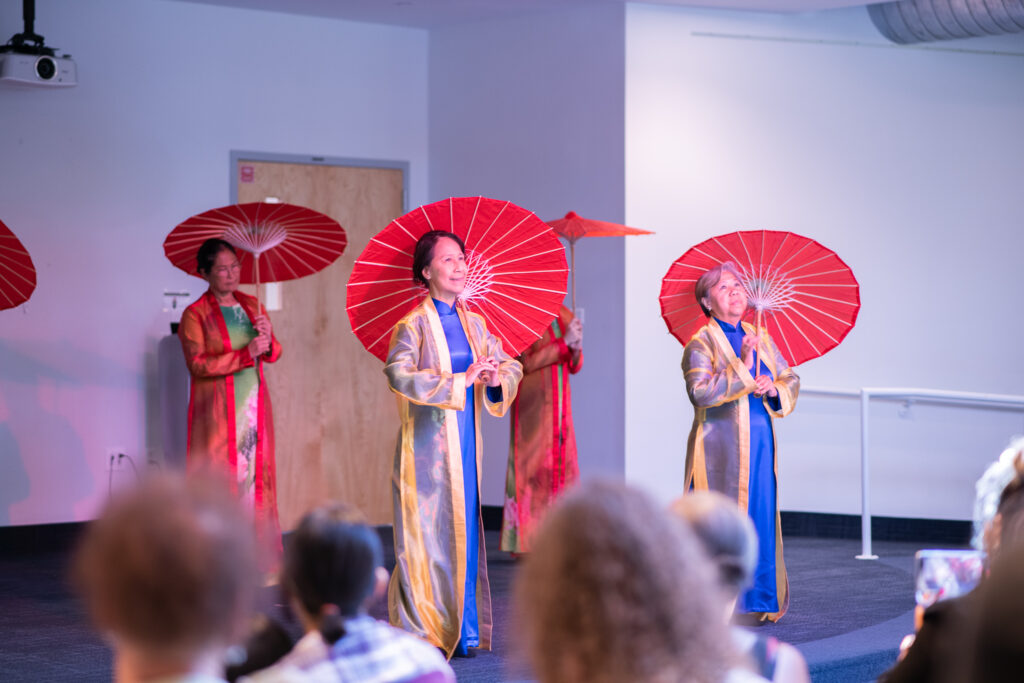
<point x="440" y="590"/>
<point x="542" y="454"/>
<point x="230" y="419"/>
<point x="732" y="448"/>
<point x="247" y="391"/>
<point x="461" y="358"/>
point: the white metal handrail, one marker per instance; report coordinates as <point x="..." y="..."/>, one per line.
<point x="866" y="394"/>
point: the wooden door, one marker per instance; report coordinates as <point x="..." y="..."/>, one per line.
<point x="335" y="420"/>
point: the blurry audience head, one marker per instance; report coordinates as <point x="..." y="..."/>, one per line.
<point x="1007" y="526"/>
<point x="989" y="488"/>
<point x="999" y="629"/>
<point x="730" y="540"/>
<point x="615" y="589"/>
<point x="168" y="572"/>
<point x="727" y="534"/>
<point x="332" y="566"/>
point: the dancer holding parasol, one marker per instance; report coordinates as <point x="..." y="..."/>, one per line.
<point x="224" y="334"/>
<point x="442" y="365"/>
<point x="227" y="335"/>
<point x="487" y="279"/>
<point x="804" y="300"/>
<point x="732" y="445"/>
<point x="542" y="458"/>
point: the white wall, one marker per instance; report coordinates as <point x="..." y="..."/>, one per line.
<point x="906" y="162"/>
<point x="94" y="177"/>
<point x="531" y="110"/>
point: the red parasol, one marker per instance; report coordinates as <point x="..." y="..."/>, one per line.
<point x="807" y="295"/>
<point x="286" y="241"/>
<point x="515" y="280"/>
<point x="574" y="226"/>
<point x="17" y="273"/>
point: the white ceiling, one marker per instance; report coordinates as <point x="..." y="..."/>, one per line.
<point x="435" y="13"/>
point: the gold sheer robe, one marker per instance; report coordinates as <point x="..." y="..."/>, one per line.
<point x="427" y="590"/>
<point x="718" y="449"/>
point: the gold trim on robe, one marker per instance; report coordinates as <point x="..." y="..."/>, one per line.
<point x="427" y="589"/>
<point x="718" y="448"/>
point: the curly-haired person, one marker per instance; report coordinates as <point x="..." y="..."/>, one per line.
<point x="616" y="590"/>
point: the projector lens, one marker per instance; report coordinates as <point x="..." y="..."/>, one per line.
<point x="46" y="68"/>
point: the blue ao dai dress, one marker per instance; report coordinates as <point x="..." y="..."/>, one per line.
<point x="462" y="357"/>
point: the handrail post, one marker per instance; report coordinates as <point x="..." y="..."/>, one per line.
<point x="865" y="506"/>
<point x="995" y="401"/>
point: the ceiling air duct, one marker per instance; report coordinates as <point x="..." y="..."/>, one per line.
<point x="922" y="21"/>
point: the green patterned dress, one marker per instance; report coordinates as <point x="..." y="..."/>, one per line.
<point x="247" y="385"/>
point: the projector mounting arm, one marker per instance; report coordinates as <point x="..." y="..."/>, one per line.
<point x="19" y="43"/>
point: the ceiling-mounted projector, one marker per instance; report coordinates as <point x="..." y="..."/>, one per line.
<point x="42" y="70"/>
<point x="25" y="60"/>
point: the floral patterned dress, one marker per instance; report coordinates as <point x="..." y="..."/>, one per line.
<point x="247" y="391"/>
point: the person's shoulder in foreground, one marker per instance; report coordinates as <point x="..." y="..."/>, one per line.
<point x="371" y="651"/>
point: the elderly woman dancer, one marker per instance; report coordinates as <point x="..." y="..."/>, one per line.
<point x="542" y="455"/>
<point x="443" y="364"/>
<point x="738" y="382"/>
<point x="225" y="335"/>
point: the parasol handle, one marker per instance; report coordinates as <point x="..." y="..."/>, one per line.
<point x="259" y="299"/>
<point x="758" y="325"/>
<point x="572" y="271"/>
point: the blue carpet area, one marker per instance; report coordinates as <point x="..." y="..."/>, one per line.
<point x="846" y="615"/>
<point x="44" y="633"/>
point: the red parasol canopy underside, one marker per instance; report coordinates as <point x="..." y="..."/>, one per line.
<point x="17" y="272"/>
<point x="291" y="241"/>
<point x="809" y="298"/>
<point x="516" y="271"/>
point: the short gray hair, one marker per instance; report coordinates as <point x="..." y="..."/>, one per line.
<point x="989" y="488"/>
<point x="725" y="531"/>
<point x="710" y="278"/>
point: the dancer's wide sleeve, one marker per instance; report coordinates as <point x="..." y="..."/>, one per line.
<point x="205" y="353"/>
<point x="412" y="369"/>
<point x="712" y="381"/>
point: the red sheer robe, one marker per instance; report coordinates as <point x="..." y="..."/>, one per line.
<point x="211" y="407"/>
<point x="542" y="455"/>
